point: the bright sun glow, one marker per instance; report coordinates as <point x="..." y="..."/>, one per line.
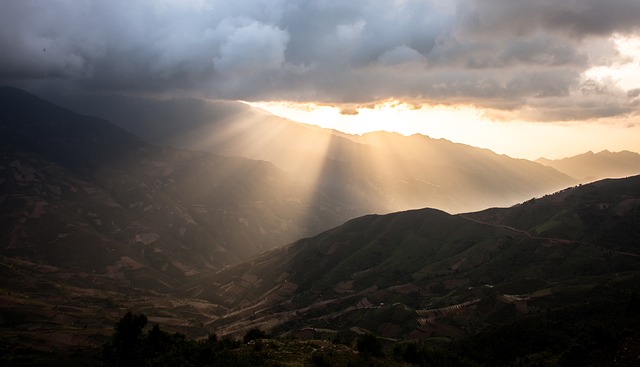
<point x="391" y="115"/>
<point x="470" y="125"/>
<point x="626" y="73"/>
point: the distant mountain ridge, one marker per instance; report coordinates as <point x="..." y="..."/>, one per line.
<point x="591" y="166"/>
<point x="374" y="173"/>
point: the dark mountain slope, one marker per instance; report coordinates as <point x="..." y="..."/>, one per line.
<point x="105" y="195"/>
<point x="77" y="142"/>
<point x="426" y="273"/>
<point x="50" y="216"/>
<point x="605" y="213"/>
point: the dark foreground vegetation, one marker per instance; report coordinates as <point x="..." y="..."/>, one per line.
<point x="602" y="332"/>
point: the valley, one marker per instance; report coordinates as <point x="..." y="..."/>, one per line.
<point x="96" y="222"/>
<point x="309" y="183"/>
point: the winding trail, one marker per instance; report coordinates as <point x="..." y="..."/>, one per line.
<point x="503" y="226"/>
<point x="550" y="239"/>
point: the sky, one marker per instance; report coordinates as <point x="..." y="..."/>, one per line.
<point x="525" y="78"/>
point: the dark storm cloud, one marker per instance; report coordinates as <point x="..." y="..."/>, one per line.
<point x="577" y="18"/>
<point x="509" y="55"/>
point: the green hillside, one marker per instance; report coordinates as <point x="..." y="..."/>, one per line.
<point x="425" y="273"/>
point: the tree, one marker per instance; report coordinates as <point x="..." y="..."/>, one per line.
<point x="369" y="345"/>
<point x="125" y="343"/>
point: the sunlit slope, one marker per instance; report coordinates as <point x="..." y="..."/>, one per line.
<point x="82" y="193"/>
<point x="222" y="127"/>
<point x="469" y="178"/>
<point x="594" y="166"/>
<point x="427" y="273"/>
<point x="378" y="172"/>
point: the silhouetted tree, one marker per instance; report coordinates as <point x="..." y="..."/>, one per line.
<point x="126" y="342"/>
<point x="369" y="345"/>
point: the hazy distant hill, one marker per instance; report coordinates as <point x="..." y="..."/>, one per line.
<point x="427" y="273"/>
<point x="465" y="178"/>
<point x="80" y="193"/>
<point x="593" y="166"/>
<point x="375" y="173"/>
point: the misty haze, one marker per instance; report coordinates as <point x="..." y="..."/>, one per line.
<point x="319" y="183"/>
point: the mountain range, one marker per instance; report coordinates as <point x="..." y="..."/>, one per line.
<point x="213" y="234"/>
<point x="375" y="173"/>
<point x="594" y="166"/>
<point x="378" y="172"/>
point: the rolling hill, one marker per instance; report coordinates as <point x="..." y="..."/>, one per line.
<point x="536" y="280"/>
<point x="426" y="273"/>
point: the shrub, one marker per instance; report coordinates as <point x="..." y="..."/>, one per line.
<point x="254" y="334"/>
<point x="369" y="345"/>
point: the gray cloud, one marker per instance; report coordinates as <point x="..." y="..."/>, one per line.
<point x="576" y="18"/>
<point x="509" y="55"/>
